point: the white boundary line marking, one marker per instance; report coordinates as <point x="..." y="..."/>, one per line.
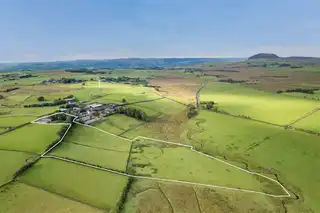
<point x="287" y="194"/>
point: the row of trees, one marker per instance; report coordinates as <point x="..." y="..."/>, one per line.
<point x="307" y="91"/>
<point x="192" y="111"/>
<point x="125" y="79"/>
<point x="231" y="81"/>
<point x="11" y="89"/>
<point x="54" y="103"/>
<point x="134" y="113"/>
<point x="207" y="104"/>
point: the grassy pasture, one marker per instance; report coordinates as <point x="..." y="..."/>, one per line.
<point x="152" y="196"/>
<point x="302" y="69"/>
<point x="16" y="120"/>
<point x="31" y="138"/>
<point x="238" y="100"/>
<point x="315" y="96"/>
<point x="180" y="163"/>
<point x="98" y="188"/>
<point x="294" y="155"/>
<point x="14" y="98"/>
<point x="118" y="123"/>
<point x="18" y="197"/>
<point x="93" y="137"/>
<point x="164" y="106"/>
<point x="98" y="156"/>
<point x="13" y="162"/>
<point x="311" y="122"/>
<point x="20" y="111"/>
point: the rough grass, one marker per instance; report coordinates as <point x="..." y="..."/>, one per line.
<point x="31" y="138"/>
<point x="17" y="198"/>
<point x="164" y="106"/>
<point x="293" y="155"/>
<point x="238" y="100"/>
<point x="11" y="162"/>
<point x="93" y="137"/>
<point x="296" y="156"/>
<point x="98" y="188"/>
<point x="93" y="155"/>
<point x="152" y="196"/>
<point x="118" y="123"/>
<point x="180" y="163"/>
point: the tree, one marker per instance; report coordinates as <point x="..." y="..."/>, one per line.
<point x="41" y="98"/>
<point x="1" y="97"/>
<point x="124" y="100"/>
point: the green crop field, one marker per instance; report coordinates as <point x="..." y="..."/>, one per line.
<point x="101" y="189"/>
<point x="93" y="155"/>
<point x="275" y="108"/>
<point x="13" y="162"/>
<point x="20" y="198"/>
<point x="31" y="138"/>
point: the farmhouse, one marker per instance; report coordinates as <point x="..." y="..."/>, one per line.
<point x="96" y="107"/>
<point x="70" y="100"/>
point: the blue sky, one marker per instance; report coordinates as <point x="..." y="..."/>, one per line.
<point x="47" y="30"/>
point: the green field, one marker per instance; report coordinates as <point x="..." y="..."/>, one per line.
<point x="31" y="138"/>
<point x="183" y="198"/>
<point x="264" y="147"/>
<point x="56" y="186"/>
<point x="238" y="100"/>
<point x="95" y="138"/>
<point x="15" y="120"/>
<point x="98" y="188"/>
<point x="117" y="123"/>
<point x="315" y="96"/>
<point x="180" y="163"/>
<point x="17" y="198"/>
<point x="13" y="162"/>
<point x="93" y="155"/>
<point x="311" y="122"/>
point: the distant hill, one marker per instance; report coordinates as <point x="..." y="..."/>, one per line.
<point x="264" y="56"/>
<point x="138" y="63"/>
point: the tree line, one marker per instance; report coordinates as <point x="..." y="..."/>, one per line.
<point x="54" y="103"/>
<point x="134" y="113"/>
<point x="307" y="91"/>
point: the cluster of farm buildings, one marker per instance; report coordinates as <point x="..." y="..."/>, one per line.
<point x="90" y="113"/>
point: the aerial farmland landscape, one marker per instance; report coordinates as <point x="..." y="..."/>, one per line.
<point x="159" y="106"/>
<point x="186" y="139"/>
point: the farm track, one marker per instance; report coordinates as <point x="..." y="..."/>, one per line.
<point x="287" y="194"/>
